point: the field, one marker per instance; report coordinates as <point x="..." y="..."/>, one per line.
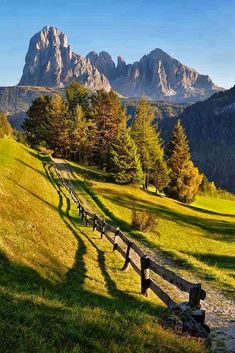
<point x="61" y="288"/>
<point x="199" y="237"/>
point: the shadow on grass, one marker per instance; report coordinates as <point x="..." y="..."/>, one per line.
<point x="91" y="173"/>
<point x="220" y="261"/>
<point x="202" y="210"/>
<point x="213" y="228"/>
<point x="39" y="316"/>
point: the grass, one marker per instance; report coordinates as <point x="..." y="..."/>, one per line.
<point x="200" y="237"/>
<point x="61" y="288"/>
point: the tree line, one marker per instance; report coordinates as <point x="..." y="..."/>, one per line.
<point x="92" y="128"/>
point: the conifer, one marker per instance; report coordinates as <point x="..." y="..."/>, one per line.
<point x="184" y="176"/>
<point x="126" y="166"/>
<point x="147" y="139"/>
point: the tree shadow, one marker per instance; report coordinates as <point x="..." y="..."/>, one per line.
<point x="212" y="228"/>
<point x="220" y="261"/>
<point x="40" y="316"/>
<point x="91" y="173"/>
<point x="202" y="210"/>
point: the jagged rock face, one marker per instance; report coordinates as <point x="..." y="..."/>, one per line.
<point x="50" y="62"/>
<point x="103" y="62"/>
<point x="159" y="76"/>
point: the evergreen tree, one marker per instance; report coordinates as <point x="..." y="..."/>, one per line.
<point x="77" y="127"/>
<point x="184" y="176"/>
<point x="46" y="123"/>
<point x="126" y="166"/>
<point x="106" y="114"/>
<point x="76" y="94"/>
<point x="147" y="139"/>
<point x="5" y="127"/>
<point x="161" y="178"/>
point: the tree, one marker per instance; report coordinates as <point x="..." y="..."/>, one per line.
<point x="46" y="123"/>
<point x="77" y="127"/>
<point x="76" y="94"/>
<point x="106" y="115"/>
<point x="126" y="166"/>
<point x="5" y="127"/>
<point x="147" y="139"/>
<point x="161" y="178"/>
<point x="184" y="176"/>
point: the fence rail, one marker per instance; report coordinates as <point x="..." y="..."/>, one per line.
<point x="142" y="264"/>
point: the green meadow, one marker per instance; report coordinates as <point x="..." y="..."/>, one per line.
<point x="199" y="237"/>
<point x="61" y="288"/>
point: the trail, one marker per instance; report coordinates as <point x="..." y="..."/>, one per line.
<point x="220" y="310"/>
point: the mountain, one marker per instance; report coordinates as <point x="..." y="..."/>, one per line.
<point x="50" y="62"/>
<point x="157" y="76"/>
<point x="16" y="100"/>
<point x="210" y="127"/>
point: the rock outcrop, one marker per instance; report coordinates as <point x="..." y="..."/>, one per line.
<point x="161" y="77"/>
<point x="50" y="62"/>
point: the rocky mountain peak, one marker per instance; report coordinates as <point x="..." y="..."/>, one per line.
<point x="103" y="62"/>
<point x="50" y="62"/>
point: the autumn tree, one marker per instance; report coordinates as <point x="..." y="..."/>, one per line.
<point x="160" y="177"/>
<point x="147" y="139"/>
<point x="5" y="127"/>
<point x="184" y="176"/>
<point x="126" y="166"/>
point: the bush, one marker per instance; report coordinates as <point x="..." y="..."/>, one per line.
<point x="143" y="221"/>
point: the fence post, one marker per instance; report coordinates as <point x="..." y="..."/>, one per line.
<point x="102" y="229"/>
<point x="195" y="296"/>
<point x="145" y="281"/>
<point x="115" y="242"/>
<point x="94" y="223"/>
<point x="127" y="258"/>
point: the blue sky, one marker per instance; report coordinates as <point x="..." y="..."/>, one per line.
<point x="201" y="34"/>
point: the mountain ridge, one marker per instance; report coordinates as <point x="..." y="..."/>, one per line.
<point x="51" y="62"/>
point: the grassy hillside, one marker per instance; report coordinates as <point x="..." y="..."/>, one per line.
<point x="61" y="288"/>
<point x="199" y="236"/>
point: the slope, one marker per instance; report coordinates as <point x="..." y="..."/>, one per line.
<point x="61" y="288"/>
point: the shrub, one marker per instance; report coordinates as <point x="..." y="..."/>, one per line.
<point x="143" y="221"/>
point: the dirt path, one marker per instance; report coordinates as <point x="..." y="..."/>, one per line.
<point x="220" y="310"/>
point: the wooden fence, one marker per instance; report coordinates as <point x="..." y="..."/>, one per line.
<point x="140" y="262"/>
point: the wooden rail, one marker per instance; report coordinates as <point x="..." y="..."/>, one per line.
<point x="144" y="265"/>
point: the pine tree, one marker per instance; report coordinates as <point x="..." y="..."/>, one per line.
<point x="107" y="112"/>
<point x="126" y="166"/>
<point x="147" y="139"/>
<point x="77" y="128"/>
<point x="5" y="127"/>
<point x="161" y="178"/>
<point x="184" y="176"/>
<point x="77" y="94"/>
<point x="46" y="123"/>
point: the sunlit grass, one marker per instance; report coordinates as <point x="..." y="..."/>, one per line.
<point x="61" y="288"/>
<point x="199" y="236"/>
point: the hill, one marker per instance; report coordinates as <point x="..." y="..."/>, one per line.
<point x="61" y="289"/>
<point x="199" y="236"/>
<point x="210" y="126"/>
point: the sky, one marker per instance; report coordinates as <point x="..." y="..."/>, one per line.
<point x="199" y="33"/>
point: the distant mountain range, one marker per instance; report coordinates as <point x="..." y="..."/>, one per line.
<point x="210" y="124"/>
<point x="50" y="62"/>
